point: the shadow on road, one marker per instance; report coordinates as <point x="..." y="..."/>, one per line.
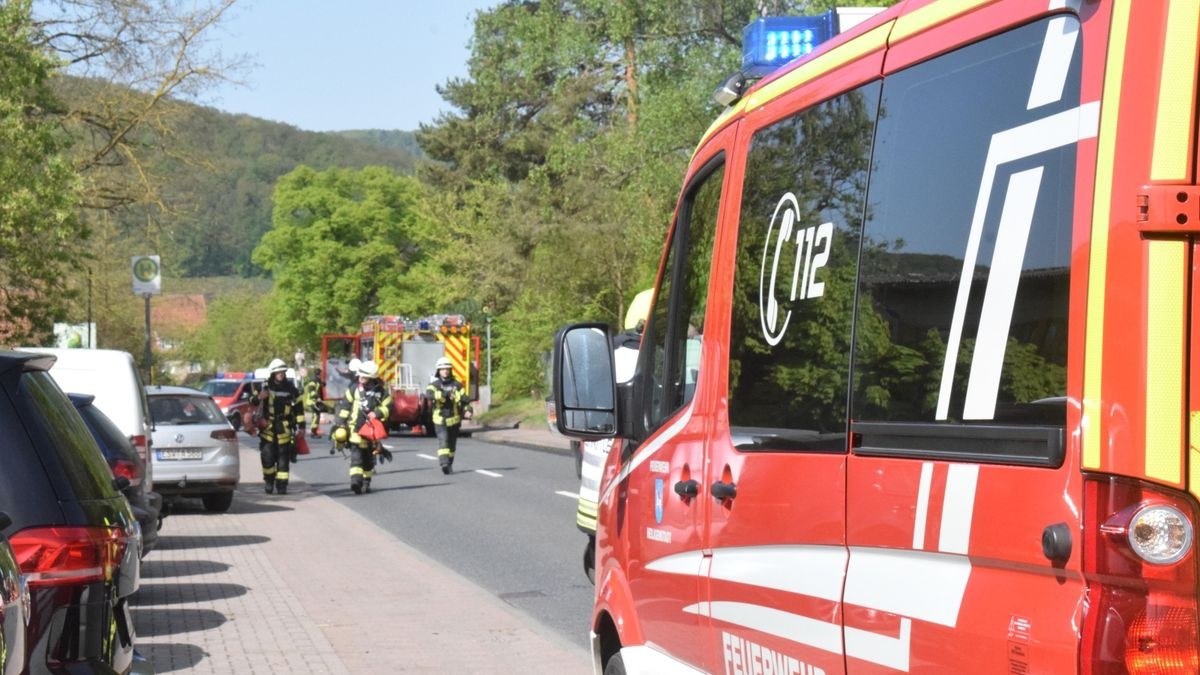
<point x="151" y="622"/>
<point x="243" y="502"/>
<point x="160" y="569"/>
<point x="342" y="490"/>
<point x="186" y="592"/>
<point x="181" y="542"/>
<point x="172" y="656"/>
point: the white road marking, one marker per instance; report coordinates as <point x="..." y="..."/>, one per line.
<point x="485" y="472"/>
<point x="564" y="493"/>
<point x="424" y="456"/>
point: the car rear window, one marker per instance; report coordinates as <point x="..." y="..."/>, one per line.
<point x="59" y="431"/>
<point x="184" y="409"/>
<point x="113" y="443"/>
<point x="213" y="388"/>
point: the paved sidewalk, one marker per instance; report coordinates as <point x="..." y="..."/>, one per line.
<point x="287" y="585"/>
<point x="535" y="438"/>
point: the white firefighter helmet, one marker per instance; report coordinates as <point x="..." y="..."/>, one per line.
<point x="443" y="363"/>
<point x="277" y="366"/>
<point x="639" y="309"/>
<point x="368" y="369"/>
<point x="354" y="365"/>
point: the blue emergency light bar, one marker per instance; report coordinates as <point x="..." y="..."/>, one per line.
<point x="772" y="41"/>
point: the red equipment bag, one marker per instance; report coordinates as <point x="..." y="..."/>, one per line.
<point x="301" y="443"/>
<point x="373" y="430"/>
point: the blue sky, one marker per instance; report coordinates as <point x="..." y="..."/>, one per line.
<point x="353" y="64"/>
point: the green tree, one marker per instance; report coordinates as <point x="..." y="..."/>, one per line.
<point x="232" y="336"/>
<point x="39" y="236"/>
<point x="343" y="244"/>
<point x="560" y="166"/>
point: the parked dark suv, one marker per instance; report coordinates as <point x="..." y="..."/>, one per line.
<point x="125" y="463"/>
<point x="72" y="531"/>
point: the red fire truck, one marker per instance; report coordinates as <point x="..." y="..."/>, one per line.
<point x="405" y="350"/>
<point x="919" y="391"/>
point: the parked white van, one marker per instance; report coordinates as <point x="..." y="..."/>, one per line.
<point x="112" y="377"/>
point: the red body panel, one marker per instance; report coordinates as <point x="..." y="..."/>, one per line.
<point x="831" y="562"/>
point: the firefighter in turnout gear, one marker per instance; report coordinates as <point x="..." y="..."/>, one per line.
<point x="314" y="395"/>
<point x="365" y="401"/>
<point x="450" y="407"/>
<point x="339" y="433"/>
<point x="281" y="419"/>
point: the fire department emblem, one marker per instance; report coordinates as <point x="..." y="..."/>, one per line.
<point x="658" y="500"/>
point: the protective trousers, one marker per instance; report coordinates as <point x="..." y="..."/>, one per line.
<point x="314" y="426"/>
<point x="447" y="441"/>
<point x="362" y="463"/>
<point x="276" y="458"/>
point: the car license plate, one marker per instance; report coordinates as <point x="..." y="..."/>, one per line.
<point x="181" y="453"/>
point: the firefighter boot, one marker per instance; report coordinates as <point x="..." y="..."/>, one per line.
<point x="269" y="485"/>
<point x="356" y="484"/>
<point x="281" y="487"/>
<point x="367" y="486"/>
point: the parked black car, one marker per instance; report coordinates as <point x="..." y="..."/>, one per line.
<point x="73" y="532"/>
<point x="125" y="463"/>
<point x="14" y="607"/>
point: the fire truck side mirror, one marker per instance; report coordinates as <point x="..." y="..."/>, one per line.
<point x="585" y="389"/>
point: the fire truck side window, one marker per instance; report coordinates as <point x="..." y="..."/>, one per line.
<point x="677" y="319"/>
<point x="793" y="296"/>
<point x="965" y="263"/>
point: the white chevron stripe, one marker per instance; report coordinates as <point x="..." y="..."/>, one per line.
<point x="918" y="584"/>
<point x="892" y="652"/>
<point x="801" y="629"/>
<point x="958" y="508"/>
<point x="815" y="571"/>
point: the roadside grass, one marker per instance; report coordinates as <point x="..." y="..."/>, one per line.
<point x="522" y="412"/>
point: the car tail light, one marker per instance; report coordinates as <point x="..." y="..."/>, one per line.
<point x="143" y="446"/>
<point x="123" y="468"/>
<point x="57" y="556"/>
<point x="1140" y="564"/>
<point x="225" y="435"/>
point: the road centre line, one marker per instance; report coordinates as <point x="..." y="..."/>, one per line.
<point x="485" y="472"/>
<point x="564" y="493"/>
<point x="424" y="456"/>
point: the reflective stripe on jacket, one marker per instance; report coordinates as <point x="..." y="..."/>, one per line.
<point x="283" y="412"/>
<point x="449" y="399"/>
<point x="358" y="402"/>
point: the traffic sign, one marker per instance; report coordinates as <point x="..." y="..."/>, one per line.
<point x="147" y="275"/>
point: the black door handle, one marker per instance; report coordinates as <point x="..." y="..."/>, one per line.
<point x="722" y="491"/>
<point x="687" y="488"/>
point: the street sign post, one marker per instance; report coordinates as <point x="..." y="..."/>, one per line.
<point x="147" y="281"/>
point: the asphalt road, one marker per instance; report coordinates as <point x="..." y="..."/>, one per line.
<point x="504" y="519"/>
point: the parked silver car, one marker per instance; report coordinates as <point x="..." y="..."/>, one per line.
<point x="195" y="448"/>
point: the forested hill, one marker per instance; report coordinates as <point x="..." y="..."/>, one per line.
<point x="386" y="138"/>
<point x="219" y="191"/>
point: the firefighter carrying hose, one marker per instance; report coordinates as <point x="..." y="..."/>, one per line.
<point x="367" y="406"/>
<point x="281" y="419"/>
<point x="450" y="407"/>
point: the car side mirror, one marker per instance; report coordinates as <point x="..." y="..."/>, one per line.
<point x="585" y="389"/>
<point x="121" y="483"/>
<point x="5" y="521"/>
